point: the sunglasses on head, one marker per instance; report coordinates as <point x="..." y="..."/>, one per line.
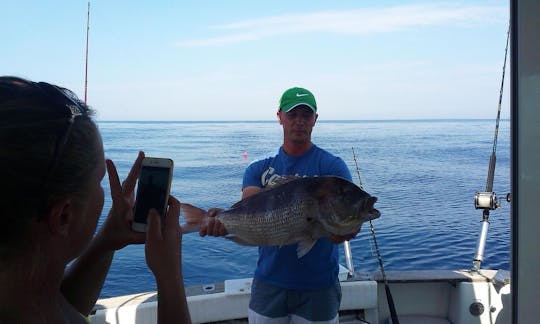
<point x="66" y="103"/>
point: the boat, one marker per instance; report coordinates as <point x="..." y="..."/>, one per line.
<point x="428" y="296"/>
<point x="468" y="295"/>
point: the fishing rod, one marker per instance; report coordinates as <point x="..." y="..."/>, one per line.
<point x="487" y="200"/>
<point x="389" y="298"/>
<point x="86" y="60"/>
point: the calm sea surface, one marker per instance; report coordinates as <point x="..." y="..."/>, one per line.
<point x="425" y="174"/>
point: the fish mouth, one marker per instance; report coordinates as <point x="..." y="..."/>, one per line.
<point x="353" y="224"/>
<point x="370" y="214"/>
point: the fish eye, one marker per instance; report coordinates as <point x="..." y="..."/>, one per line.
<point x="309" y="219"/>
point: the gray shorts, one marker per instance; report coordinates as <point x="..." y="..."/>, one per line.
<point x="271" y="304"/>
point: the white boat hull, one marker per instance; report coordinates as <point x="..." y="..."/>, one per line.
<point x="439" y="296"/>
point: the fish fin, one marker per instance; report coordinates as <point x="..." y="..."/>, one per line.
<point x="277" y="181"/>
<point x="194" y="216"/>
<point x="280" y="180"/>
<point x="190" y="228"/>
<point x="304" y="247"/>
<point x="238" y="203"/>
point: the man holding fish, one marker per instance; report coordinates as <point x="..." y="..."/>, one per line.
<point x="296" y="282"/>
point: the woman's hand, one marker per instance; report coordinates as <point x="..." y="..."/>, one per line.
<point x="163" y="252"/>
<point x="115" y="233"/>
<point x="163" y="243"/>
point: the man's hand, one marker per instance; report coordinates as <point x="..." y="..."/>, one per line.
<point x="214" y="226"/>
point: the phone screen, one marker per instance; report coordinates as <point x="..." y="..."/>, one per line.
<point x="152" y="192"/>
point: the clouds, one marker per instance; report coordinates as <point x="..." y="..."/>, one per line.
<point x="363" y="21"/>
<point x="362" y="59"/>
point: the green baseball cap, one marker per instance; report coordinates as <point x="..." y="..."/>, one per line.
<point x="295" y="97"/>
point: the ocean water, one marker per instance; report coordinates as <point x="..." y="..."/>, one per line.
<point x="424" y="173"/>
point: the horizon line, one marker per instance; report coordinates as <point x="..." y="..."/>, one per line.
<point x="318" y="121"/>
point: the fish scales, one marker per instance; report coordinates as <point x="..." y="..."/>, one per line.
<point x="275" y="227"/>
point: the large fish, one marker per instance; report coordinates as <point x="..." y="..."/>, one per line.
<point x="300" y="210"/>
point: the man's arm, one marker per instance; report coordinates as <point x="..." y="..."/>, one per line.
<point x="249" y="191"/>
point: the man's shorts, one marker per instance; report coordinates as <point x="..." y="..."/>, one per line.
<point x="271" y="304"/>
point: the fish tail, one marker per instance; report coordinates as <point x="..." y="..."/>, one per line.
<point x="195" y="218"/>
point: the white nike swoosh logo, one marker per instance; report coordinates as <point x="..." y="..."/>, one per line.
<point x="301" y="94"/>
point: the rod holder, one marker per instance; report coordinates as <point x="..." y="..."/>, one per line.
<point x="348" y="258"/>
<point x="481" y="245"/>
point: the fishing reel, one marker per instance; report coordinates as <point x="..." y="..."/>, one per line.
<point x="488" y="200"/>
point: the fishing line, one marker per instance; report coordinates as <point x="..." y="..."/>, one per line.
<point x="389" y="299"/>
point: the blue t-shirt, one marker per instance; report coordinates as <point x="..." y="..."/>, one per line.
<point x="280" y="266"/>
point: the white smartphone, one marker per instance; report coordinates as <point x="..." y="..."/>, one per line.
<point x="153" y="190"/>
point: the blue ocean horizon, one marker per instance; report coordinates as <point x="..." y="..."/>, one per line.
<point x="341" y="121"/>
<point x="424" y="173"/>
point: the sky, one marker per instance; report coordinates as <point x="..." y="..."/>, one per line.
<point x="231" y="60"/>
